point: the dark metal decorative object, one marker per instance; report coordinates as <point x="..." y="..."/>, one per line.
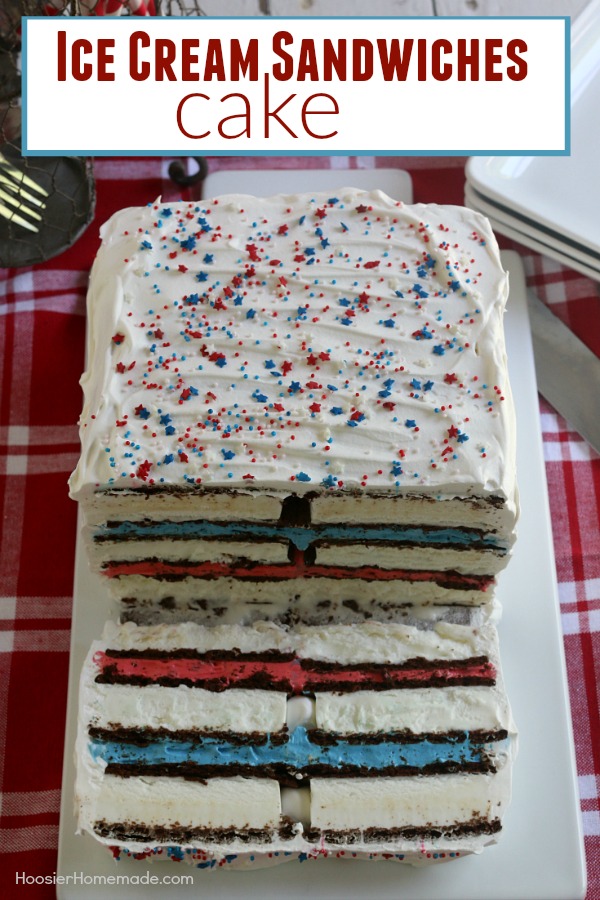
<point x="180" y="176"/>
<point x="46" y="203"/>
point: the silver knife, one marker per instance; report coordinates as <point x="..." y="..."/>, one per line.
<point x="568" y="373"/>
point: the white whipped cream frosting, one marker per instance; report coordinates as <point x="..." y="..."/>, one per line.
<point x="297" y="343"/>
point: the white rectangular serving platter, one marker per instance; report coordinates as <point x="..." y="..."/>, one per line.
<point x="540" y="855"/>
<point x="264" y="182"/>
<point x="559" y="192"/>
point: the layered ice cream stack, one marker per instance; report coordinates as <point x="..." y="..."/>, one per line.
<point x="298" y="481"/>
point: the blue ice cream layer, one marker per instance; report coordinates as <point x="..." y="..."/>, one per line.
<point x="296" y="753"/>
<point x="302" y="537"/>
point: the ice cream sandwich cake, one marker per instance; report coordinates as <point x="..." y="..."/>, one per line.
<point x="296" y="408"/>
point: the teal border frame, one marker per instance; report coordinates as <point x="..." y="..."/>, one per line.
<point x="566" y="151"/>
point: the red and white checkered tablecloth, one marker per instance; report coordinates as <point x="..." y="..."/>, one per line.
<point x="42" y="326"/>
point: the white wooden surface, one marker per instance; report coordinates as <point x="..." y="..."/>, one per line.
<point x="352" y="7"/>
<point x="509" y="7"/>
<point x="215" y="7"/>
<point x="383" y="7"/>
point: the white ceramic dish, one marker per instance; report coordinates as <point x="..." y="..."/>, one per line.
<point x="540" y="855"/>
<point x="505" y="224"/>
<point x="552" y="239"/>
<point x="560" y="192"/>
<point x="528" y="241"/>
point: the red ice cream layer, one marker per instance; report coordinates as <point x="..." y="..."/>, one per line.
<point x="232" y="672"/>
<point x="158" y="568"/>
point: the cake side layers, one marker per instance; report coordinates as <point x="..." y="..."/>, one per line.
<point x="317" y="707"/>
<point x="316" y="600"/>
<point x="471" y="551"/>
<point x="150" y="560"/>
<point x="490" y="513"/>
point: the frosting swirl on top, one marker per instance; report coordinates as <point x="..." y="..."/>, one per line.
<point x="297" y="343"/>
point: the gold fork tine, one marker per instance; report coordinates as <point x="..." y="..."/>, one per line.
<point x="22" y="177"/>
<point x="16" y="202"/>
<point x="13" y="217"/>
<point x="20" y="207"/>
<point x="21" y="192"/>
